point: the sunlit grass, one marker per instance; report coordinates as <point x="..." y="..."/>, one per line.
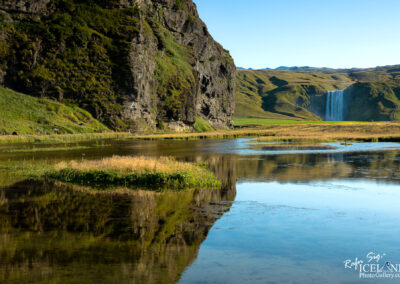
<point x="266" y="121"/>
<point x="312" y="132"/>
<point x="135" y="172"/>
<point x="128" y="164"/>
<point x="61" y="138"/>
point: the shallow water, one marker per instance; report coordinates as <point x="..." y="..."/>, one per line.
<point x="287" y="216"/>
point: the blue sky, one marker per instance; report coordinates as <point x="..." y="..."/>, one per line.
<point x="320" y="33"/>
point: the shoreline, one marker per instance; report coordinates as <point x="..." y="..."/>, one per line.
<point x="310" y="132"/>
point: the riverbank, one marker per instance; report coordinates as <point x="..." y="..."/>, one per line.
<point x="61" y="138"/>
<point x="309" y="132"/>
<point x="338" y="131"/>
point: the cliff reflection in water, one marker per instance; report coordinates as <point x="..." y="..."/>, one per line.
<point x="56" y="232"/>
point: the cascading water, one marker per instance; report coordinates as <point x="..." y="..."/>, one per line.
<point x="334" y="106"/>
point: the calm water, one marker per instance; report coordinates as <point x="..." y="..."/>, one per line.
<point x="284" y="216"/>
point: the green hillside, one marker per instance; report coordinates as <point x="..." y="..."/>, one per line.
<point x="130" y="64"/>
<point x="375" y="101"/>
<point x="24" y="114"/>
<point x="284" y="94"/>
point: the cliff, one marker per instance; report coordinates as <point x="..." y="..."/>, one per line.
<point x="133" y="64"/>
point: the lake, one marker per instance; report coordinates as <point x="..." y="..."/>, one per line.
<point x="285" y="214"/>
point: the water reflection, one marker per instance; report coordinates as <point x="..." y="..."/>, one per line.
<point x="294" y="211"/>
<point x="300" y="233"/>
<point x="55" y="232"/>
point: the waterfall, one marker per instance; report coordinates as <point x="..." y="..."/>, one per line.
<point x="334" y="106"/>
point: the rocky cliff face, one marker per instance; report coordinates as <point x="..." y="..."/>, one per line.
<point x="25" y="6"/>
<point x="134" y="64"/>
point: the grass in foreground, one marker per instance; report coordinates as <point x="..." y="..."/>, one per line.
<point x="135" y="172"/>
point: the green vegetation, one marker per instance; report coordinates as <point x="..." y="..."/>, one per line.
<point x="81" y="54"/>
<point x="379" y="101"/>
<point x="174" y="73"/>
<point x="266" y="121"/>
<point x="202" y="125"/>
<point x="284" y="94"/>
<point x="24" y="114"/>
<point x="135" y="172"/>
<point x="277" y="94"/>
<point x="293" y="132"/>
<point x="62" y="138"/>
<point x="46" y="149"/>
<point x="75" y="55"/>
<point x="105" y="179"/>
<point x="12" y="171"/>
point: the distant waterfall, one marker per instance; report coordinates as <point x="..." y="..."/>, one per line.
<point x="334" y="106"/>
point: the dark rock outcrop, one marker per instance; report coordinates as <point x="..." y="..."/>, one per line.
<point x="25" y="6"/>
<point x="149" y="63"/>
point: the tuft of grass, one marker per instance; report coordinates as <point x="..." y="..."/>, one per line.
<point x="135" y="172"/>
<point x="202" y="125"/>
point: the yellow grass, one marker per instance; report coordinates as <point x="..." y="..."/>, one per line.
<point x="302" y="132"/>
<point x="129" y="164"/>
<point x="61" y="138"/>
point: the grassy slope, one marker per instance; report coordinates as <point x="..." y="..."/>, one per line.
<point x="28" y="115"/>
<point x="277" y="94"/>
<point x="92" y="70"/>
<point x="282" y="94"/>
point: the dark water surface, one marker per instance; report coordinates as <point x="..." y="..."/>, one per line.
<point x="285" y="215"/>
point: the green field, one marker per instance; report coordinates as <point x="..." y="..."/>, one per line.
<point x="21" y="114"/>
<point x="265" y="121"/>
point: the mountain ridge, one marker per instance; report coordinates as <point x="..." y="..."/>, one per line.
<point x="323" y="69"/>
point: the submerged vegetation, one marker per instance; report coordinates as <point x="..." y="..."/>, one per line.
<point x="46" y="149"/>
<point x="135" y="172"/>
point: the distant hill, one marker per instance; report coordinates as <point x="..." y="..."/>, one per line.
<point x="373" y="93"/>
<point x="326" y="70"/>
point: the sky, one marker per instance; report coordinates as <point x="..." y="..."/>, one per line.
<point x="318" y="33"/>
